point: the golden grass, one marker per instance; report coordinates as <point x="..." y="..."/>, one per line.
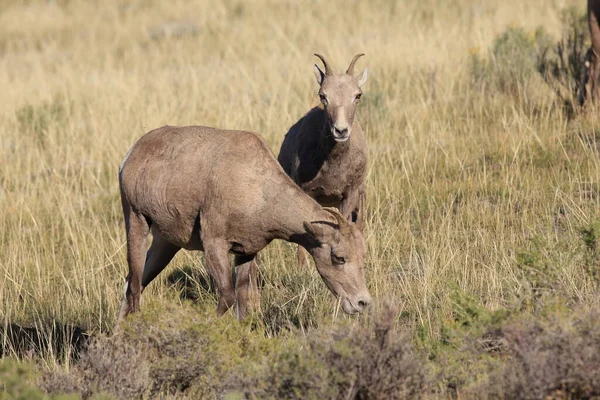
<point x="461" y="180"/>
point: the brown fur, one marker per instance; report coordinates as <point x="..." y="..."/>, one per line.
<point x="325" y="152"/>
<point x="591" y="73"/>
<point x="222" y="191"/>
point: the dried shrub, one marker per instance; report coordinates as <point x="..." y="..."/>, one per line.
<point x="156" y="353"/>
<point x="185" y="354"/>
<point x="355" y="362"/>
<point x="554" y="358"/>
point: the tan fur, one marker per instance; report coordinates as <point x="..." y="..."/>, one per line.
<point x="591" y="73"/>
<point x="325" y="152"/>
<point x="222" y="191"/>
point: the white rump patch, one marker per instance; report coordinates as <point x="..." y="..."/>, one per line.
<point x="125" y="159"/>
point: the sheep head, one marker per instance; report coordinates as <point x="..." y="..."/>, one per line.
<point x="339" y="254"/>
<point x="340" y="93"/>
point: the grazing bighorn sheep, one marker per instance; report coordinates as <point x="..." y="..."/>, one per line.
<point x="222" y="191"/>
<point x="318" y="152"/>
<point x="592" y="57"/>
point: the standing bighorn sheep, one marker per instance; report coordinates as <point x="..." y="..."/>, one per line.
<point x="318" y="152"/>
<point x="222" y="191"/>
<point x="591" y="72"/>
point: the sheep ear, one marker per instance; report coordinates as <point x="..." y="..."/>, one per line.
<point x="362" y="78"/>
<point x="311" y="230"/>
<point x="320" y="75"/>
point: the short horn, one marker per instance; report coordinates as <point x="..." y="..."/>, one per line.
<point x="341" y="220"/>
<point x="327" y="69"/>
<point x="350" y="70"/>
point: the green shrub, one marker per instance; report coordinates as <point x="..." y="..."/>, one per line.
<point x="156" y="352"/>
<point x="36" y="121"/>
<point x="17" y="383"/>
<point x="562" y="64"/>
<point x="589" y="237"/>
<point x="512" y="60"/>
<point x="183" y="352"/>
<point x="517" y="55"/>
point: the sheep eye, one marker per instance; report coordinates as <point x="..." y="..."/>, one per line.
<point x="357" y="98"/>
<point x="323" y="98"/>
<point x="337" y="260"/>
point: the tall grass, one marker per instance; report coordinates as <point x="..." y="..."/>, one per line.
<point x="477" y="190"/>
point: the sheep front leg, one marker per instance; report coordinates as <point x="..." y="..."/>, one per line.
<point x="246" y="285"/>
<point x="302" y="257"/>
<point x="362" y="213"/>
<point x="353" y="206"/>
<point x="217" y="263"/>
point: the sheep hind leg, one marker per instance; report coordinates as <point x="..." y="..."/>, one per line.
<point x="594" y="78"/>
<point x="159" y="255"/>
<point x="137" y="229"/>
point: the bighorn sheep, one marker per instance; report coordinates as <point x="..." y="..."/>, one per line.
<point x="222" y="191"/>
<point x="318" y="152"/>
<point x="591" y="69"/>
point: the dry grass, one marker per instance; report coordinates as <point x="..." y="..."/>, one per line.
<point x="473" y="192"/>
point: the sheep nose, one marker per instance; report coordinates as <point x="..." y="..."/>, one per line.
<point x="341" y="132"/>
<point x="363" y="303"/>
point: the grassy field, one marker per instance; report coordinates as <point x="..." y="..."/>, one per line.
<point x="483" y="201"/>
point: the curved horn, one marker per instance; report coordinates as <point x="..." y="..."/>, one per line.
<point x="341" y="220"/>
<point x="350" y="70"/>
<point x="327" y="69"/>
